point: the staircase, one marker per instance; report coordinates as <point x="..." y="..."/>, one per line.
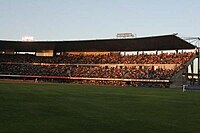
<point x="178" y="80"/>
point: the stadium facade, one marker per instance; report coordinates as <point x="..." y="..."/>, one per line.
<point x="82" y="50"/>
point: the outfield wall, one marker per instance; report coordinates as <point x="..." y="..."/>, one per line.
<point x="83" y="78"/>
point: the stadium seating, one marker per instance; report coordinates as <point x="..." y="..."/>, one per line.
<point x="90" y="66"/>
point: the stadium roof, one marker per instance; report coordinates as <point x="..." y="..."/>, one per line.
<point x="166" y="42"/>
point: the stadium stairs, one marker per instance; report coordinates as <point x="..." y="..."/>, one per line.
<point x="178" y="80"/>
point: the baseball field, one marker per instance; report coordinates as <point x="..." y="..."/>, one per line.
<point x="45" y="108"/>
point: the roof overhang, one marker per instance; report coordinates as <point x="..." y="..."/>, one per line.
<point x="167" y="42"/>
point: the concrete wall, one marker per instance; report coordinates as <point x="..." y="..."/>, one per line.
<point x="45" y="53"/>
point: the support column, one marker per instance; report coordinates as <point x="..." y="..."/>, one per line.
<point x="192" y="72"/>
<point x="198" y="67"/>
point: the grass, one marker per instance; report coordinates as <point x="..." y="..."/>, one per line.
<point x="31" y="108"/>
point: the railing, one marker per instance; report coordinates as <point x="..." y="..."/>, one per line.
<point x="165" y="66"/>
<point x="83" y="78"/>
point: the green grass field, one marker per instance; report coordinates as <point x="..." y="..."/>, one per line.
<point x="39" y="108"/>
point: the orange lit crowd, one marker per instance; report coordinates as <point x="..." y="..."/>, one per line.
<point x="180" y="58"/>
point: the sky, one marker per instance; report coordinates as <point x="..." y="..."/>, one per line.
<point x="95" y="19"/>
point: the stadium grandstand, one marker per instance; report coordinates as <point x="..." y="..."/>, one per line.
<point x="121" y="62"/>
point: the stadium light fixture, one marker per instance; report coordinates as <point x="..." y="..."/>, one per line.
<point x="125" y="35"/>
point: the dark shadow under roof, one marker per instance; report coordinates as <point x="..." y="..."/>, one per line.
<point x="167" y="42"/>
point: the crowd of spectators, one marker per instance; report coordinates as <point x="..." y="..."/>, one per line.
<point x="85" y="71"/>
<point x="60" y="66"/>
<point x="165" y="58"/>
